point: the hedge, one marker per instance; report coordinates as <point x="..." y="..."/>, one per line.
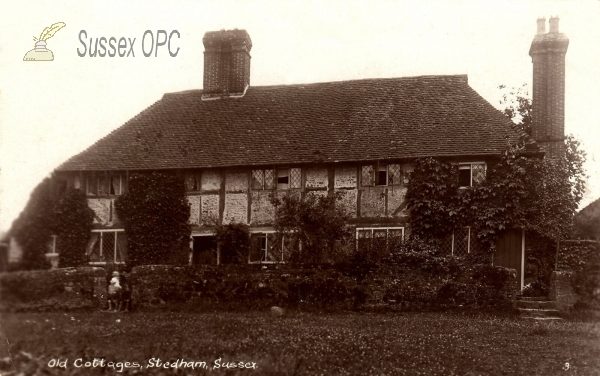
<point x="58" y="289"/>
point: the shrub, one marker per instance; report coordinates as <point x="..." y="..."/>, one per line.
<point x="234" y="242"/>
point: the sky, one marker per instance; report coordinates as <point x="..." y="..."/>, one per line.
<point x="50" y="111"/>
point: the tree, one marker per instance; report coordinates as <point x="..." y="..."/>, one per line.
<point x="234" y="243"/>
<point x="587" y="221"/>
<point x="517" y="106"/>
<point x="73" y="223"/>
<point x="155" y="213"/>
<point x="34" y="227"/>
<point x="319" y="222"/>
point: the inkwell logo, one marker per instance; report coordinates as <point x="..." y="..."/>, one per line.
<point x="40" y="52"/>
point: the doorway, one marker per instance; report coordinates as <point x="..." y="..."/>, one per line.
<point x="204" y="250"/>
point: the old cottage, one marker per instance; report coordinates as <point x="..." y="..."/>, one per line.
<point x="235" y="144"/>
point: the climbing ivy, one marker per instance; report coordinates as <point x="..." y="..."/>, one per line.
<point x="73" y="223"/>
<point x="155" y="214"/>
<point x="520" y="191"/>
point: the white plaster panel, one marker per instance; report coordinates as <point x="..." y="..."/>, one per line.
<point x="236" y="208"/>
<point x="210" y="180"/>
<point x="101" y="208"/>
<point x="397" y="202"/>
<point x="194" y="202"/>
<point x="262" y="211"/>
<point x="372" y="202"/>
<point x="236" y="181"/>
<point x="316" y="178"/>
<point x="209" y="210"/>
<point x="345" y="177"/>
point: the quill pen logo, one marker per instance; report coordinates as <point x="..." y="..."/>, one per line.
<point x="40" y="52"/>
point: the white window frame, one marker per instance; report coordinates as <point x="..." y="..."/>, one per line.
<point x="52" y="247"/>
<point x="468" y="240"/>
<point x="100" y="239"/>
<point x="380" y="228"/>
<point x="469" y="166"/>
<point x="266" y="233"/>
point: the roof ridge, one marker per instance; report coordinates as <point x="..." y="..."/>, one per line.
<point x="458" y="77"/>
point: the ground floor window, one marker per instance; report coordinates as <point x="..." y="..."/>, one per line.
<point x="269" y="247"/>
<point x="462" y="242"/>
<point x="107" y="247"/>
<point x="380" y="240"/>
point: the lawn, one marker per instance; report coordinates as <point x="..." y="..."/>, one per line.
<point x="297" y="343"/>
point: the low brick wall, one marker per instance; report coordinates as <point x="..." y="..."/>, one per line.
<point x="58" y="289"/>
<point x="325" y="287"/>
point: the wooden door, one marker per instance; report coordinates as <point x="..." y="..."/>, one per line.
<point x="510" y="252"/>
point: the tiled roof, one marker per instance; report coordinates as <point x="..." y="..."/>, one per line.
<point x="329" y="122"/>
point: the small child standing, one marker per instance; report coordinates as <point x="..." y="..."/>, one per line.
<point x="114" y="291"/>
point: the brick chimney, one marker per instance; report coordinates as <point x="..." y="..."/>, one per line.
<point x="226" y="63"/>
<point x="547" y="53"/>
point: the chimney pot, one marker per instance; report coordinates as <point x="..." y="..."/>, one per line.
<point x="554" y="24"/>
<point x="541" y="25"/>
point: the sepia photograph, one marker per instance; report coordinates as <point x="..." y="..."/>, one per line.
<point x="299" y="188"/>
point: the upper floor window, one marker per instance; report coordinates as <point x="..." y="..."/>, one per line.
<point x="471" y="174"/>
<point x="193" y="181"/>
<point x="282" y="178"/>
<point x="381" y="174"/>
<point x="105" y="184"/>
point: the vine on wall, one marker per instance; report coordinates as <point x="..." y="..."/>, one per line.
<point x="155" y="214"/>
<point x="73" y="223"/>
<point x="538" y="195"/>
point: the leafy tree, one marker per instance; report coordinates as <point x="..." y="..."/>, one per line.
<point x="319" y="222"/>
<point x="155" y="213"/>
<point x="34" y="227"/>
<point x="234" y="243"/>
<point x="517" y="106"/>
<point x="49" y="212"/>
<point x="73" y="223"/>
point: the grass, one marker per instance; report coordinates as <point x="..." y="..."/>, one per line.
<point x="300" y="343"/>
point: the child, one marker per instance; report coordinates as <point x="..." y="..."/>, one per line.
<point x="125" y="302"/>
<point x="114" y="291"/>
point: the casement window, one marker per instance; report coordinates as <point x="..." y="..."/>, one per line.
<point x="461" y="242"/>
<point x="471" y="174"/>
<point x="378" y="239"/>
<point x="107" y="247"/>
<point x="381" y="174"/>
<point x="52" y="246"/>
<point x="282" y="178"/>
<point x="105" y="184"/>
<point x="266" y="247"/>
<point x="193" y="181"/>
